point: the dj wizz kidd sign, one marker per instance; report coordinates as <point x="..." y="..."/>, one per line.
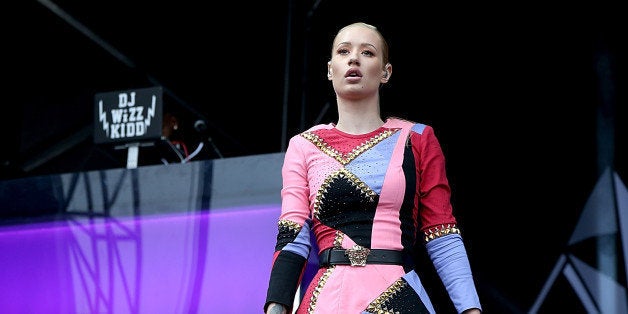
<point x="128" y="116"/>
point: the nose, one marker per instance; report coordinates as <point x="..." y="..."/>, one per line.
<point x="354" y="60"/>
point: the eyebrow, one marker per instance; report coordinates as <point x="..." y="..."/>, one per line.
<point x="361" y="45"/>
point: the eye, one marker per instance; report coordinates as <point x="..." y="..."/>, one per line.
<point x="368" y="53"/>
<point x="343" y="51"/>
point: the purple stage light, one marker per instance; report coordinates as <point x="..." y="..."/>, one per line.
<point x="200" y="262"/>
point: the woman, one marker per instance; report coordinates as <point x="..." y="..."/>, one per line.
<point x="368" y="189"/>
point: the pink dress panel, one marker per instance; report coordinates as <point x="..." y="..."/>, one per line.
<point x="366" y="284"/>
<point x="300" y="183"/>
<point x="386" y="223"/>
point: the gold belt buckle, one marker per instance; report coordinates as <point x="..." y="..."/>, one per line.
<point x="357" y="255"/>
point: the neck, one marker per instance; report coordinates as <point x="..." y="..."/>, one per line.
<point x="359" y="123"/>
<point x="358" y="116"/>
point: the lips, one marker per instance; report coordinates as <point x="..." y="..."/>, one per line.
<point x="353" y="73"/>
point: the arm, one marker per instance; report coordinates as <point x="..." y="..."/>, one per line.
<point x="452" y="265"/>
<point x="293" y="237"/>
<point x="438" y="224"/>
<point x="275" y="308"/>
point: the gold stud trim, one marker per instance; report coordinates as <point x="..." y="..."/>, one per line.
<point x="437" y="232"/>
<point x="319" y="287"/>
<point x="288" y="225"/>
<point x="380" y="304"/>
<point x="338" y="239"/>
<point x="345" y="159"/>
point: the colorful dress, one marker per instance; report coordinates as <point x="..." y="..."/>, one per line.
<point x="385" y="190"/>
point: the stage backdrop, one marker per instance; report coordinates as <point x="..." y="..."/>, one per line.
<point x="179" y="238"/>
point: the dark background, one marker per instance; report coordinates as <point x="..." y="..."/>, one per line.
<point x="528" y="100"/>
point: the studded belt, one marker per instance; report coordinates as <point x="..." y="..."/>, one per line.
<point x="359" y="256"/>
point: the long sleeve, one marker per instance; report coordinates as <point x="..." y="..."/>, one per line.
<point x="438" y="224"/>
<point x="293" y="237"/>
<point x="434" y="193"/>
<point x="452" y="265"/>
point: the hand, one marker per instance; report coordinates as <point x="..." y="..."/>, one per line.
<point x="472" y="311"/>
<point x="276" y="308"/>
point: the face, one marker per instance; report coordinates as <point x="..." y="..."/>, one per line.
<point x="169" y="125"/>
<point x="357" y="64"/>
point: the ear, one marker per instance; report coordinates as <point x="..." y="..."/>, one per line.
<point x="387" y="72"/>
<point x="329" y="72"/>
